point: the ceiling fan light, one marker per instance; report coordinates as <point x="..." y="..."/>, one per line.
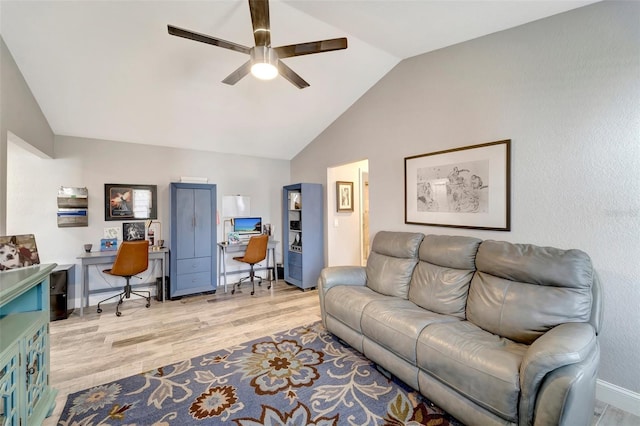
<point x="264" y="62"/>
<point x="264" y="71"/>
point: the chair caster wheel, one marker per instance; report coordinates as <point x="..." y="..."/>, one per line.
<point x="233" y="291"/>
<point x="148" y="304"/>
<point x="118" y="314"/>
<point x="252" y="293"/>
<point x="99" y="310"/>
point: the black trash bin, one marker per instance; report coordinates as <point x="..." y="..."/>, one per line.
<point x="159" y="288"/>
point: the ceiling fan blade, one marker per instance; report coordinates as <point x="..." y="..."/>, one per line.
<point x="291" y="75"/>
<point x="311" y="47"/>
<point x="237" y="75"/>
<point x="203" y="38"/>
<point x="260" y="20"/>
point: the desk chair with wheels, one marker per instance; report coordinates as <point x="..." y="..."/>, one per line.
<point x="132" y="258"/>
<point x="256" y="252"/>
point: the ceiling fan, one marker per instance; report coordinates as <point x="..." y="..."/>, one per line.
<point x="265" y="62"/>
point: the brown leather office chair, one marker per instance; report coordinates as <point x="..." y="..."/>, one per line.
<point x="132" y="258"/>
<point x="256" y="252"/>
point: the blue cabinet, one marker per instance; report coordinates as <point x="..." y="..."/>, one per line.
<point x="303" y="233"/>
<point x="25" y="395"/>
<point x="193" y="239"/>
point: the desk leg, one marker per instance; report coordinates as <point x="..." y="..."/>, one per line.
<point x="84" y="289"/>
<point x="223" y="264"/>
<point x="271" y="254"/>
<point x="163" y="261"/>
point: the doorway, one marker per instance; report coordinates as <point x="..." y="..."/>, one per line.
<point x="348" y="232"/>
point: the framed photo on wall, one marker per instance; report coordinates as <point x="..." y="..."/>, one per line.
<point x="344" y="196"/>
<point x="133" y="231"/>
<point x="465" y="187"/>
<point x="125" y="201"/>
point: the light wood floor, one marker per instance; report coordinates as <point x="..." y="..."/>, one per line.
<point x="100" y="348"/>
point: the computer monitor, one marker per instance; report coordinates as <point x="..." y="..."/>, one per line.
<point x="247" y="225"/>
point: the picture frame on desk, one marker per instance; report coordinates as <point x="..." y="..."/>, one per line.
<point x="109" y="244"/>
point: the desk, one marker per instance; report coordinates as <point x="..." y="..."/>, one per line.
<point x="107" y="258"/>
<point x="224" y="248"/>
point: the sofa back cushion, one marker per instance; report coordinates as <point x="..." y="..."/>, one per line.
<point x="391" y="262"/>
<point x="440" y="282"/>
<point x="520" y="291"/>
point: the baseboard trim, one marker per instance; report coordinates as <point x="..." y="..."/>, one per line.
<point x="621" y="398"/>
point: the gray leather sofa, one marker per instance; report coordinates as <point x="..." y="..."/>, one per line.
<point x="492" y="332"/>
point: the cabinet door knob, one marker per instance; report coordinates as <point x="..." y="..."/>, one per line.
<point x="31" y="371"/>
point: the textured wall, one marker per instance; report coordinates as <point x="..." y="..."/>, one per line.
<point x="566" y="90"/>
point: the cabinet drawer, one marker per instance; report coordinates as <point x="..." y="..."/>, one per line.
<point x="197" y="280"/>
<point x="295" y="260"/>
<point x="295" y="272"/>
<point x="190" y="266"/>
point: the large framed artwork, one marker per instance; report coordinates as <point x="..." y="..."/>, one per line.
<point x="462" y="188"/>
<point x="125" y="201"/>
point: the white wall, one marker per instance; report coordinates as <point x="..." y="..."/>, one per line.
<point x="344" y="228"/>
<point x="566" y="90"/>
<point x="20" y="117"/>
<point x="34" y="182"/>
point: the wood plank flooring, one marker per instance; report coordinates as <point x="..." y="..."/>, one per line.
<point x="100" y="348"/>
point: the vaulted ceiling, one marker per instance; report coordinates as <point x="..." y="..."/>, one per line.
<point x="109" y="69"/>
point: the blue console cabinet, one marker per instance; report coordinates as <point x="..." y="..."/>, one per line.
<point x="25" y="395"/>
<point x="303" y="233"/>
<point x="193" y="239"/>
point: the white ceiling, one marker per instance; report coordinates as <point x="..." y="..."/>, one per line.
<point x="109" y="69"/>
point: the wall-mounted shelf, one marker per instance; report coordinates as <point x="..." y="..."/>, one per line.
<point x="73" y="204"/>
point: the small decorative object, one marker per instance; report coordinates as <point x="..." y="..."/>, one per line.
<point x="18" y="251"/>
<point x="233" y="238"/>
<point x="133" y="231"/>
<point x="266" y="229"/>
<point x="87" y="248"/>
<point x="125" y="201"/>
<point x="295" y="201"/>
<point x="344" y="196"/>
<point x="108" y="244"/>
<point x="462" y="188"/>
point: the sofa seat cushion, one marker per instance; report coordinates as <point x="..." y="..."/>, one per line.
<point x="481" y="366"/>
<point x="346" y="303"/>
<point x="396" y="324"/>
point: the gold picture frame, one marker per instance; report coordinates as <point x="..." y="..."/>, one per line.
<point x="344" y="197"/>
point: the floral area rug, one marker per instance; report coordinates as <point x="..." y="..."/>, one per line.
<point x="304" y="376"/>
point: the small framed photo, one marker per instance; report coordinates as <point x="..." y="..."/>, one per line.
<point x="344" y="196"/>
<point x="133" y="231"/>
<point x="108" y="244"/>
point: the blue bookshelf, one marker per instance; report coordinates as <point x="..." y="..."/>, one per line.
<point x="303" y="234"/>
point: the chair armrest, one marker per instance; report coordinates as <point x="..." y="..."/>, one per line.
<point x="566" y="344"/>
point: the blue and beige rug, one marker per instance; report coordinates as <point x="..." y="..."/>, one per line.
<point x="303" y="376"/>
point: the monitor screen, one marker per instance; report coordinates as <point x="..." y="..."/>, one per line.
<point x="247" y="225"/>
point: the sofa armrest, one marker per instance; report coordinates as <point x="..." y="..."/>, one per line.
<point x="341" y="275"/>
<point x="338" y="275"/>
<point x="566" y="344"/>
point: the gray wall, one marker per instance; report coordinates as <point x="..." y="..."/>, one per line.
<point x="91" y="163"/>
<point x="20" y="114"/>
<point x="566" y="90"/>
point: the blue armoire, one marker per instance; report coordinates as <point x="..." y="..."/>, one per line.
<point x="193" y="239"/>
